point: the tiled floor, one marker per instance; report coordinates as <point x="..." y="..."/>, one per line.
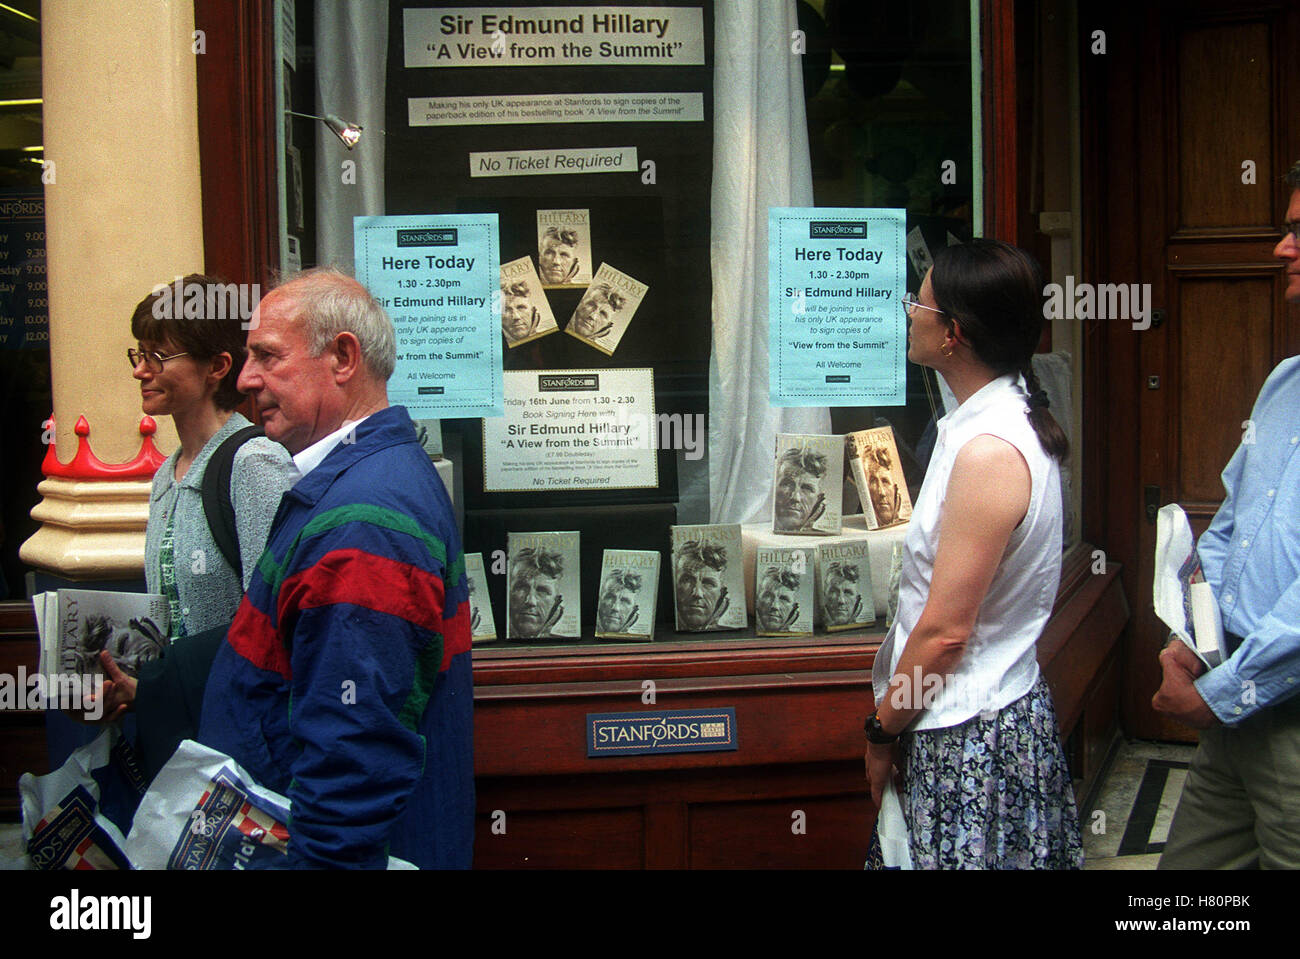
<point x="1127" y="826"/>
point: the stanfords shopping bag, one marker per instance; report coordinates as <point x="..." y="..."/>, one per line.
<point x="203" y="811"/>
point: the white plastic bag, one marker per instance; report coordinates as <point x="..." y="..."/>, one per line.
<point x="203" y="811"/>
<point x="63" y="825"/>
<point x="891" y="831"/>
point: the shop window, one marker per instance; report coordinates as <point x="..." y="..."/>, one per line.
<point x="888" y="98"/>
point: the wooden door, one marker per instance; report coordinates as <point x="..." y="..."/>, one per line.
<point x="1188" y="130"/>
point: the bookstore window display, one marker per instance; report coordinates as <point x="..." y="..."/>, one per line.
<point x="573" y="260"/>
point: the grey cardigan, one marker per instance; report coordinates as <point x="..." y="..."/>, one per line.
<point x="210" y="590"/>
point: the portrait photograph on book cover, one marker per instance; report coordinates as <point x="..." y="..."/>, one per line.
<point x="878" y="474"/>
<point x="845" y="598"/>
<point x="525" y="312"/>
<point x="708" y="578"/>
<point x="541" y="571"/>
<point x="807" y="484"/>
<point x="564" y="247"/>
<point x="603" y="314"/>
<point x="625" y="604"/>
<point x="783" y="592"/>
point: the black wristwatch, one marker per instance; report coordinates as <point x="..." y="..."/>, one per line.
<point x="876" y="734"/>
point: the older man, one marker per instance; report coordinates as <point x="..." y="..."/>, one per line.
<point x="345" y="681"/>
<point x="1240" y="802"/>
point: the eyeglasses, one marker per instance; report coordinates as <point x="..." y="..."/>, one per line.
<point x="1291" y="229"/>
<point x="909" y="301"/>
<point x="152" y="359"/>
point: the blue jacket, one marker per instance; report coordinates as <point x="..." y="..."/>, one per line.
<point x="345" y="681"/>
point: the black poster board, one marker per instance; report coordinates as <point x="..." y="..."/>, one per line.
<point x="652" y="223"/>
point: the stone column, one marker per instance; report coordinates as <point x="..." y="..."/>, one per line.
<point x="123" y="213"/>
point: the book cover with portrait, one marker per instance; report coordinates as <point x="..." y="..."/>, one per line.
<point x="628" y="594"/>
<point x="525" y="312"/>
<point x="807" y="484"/>
<point x="76" y="625"/>
<point x="482" y="626"/>
<point x="564" y="248"/>
<point x="783" y="591"/>
<point x="878" y="474"/>
<point x="543" y="587"/>
<point x="845" y="599"/>
<point x="708" y="578"/>
<point x="605" y="311"/>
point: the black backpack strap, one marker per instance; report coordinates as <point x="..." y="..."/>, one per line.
<point x="217" y="505"/>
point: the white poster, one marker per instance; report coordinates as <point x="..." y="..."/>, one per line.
<point x="572" y="429"/>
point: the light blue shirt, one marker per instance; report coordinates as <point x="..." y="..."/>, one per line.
<point x="1251" y="556"/>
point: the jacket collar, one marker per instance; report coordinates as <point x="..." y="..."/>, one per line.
<point x="389" y="427"/>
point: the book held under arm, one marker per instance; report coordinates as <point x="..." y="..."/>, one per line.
<point x="1183" y="599"/>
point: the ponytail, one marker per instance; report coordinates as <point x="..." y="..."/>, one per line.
<point x="1050" y="435"/>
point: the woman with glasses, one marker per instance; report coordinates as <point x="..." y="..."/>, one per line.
<point x="187" y="367"/>
<point x="984" y="779"/>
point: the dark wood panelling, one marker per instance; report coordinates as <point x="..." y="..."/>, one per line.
<point x="1224" y="117"/>
<point x="1224" y="351"/>
<point x="761" y="835"/>
<point x="561" y="839"/>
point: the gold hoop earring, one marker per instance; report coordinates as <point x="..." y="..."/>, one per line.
<point x="947" y="355"/>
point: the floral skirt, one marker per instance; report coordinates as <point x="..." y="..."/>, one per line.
<point x="990" y="793"/>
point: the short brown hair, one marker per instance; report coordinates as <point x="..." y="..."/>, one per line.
<point x="203" y="337"/>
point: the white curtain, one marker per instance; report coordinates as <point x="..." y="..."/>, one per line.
<point x="351" y="56"/>
<point x="760" y="160"/>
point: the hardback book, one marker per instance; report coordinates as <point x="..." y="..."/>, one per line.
<point x="708" y="578"/>
<point x="564" y="248"/>
<point x="525" y="312"/>
<point x="75" y="625"/>
<point x="481" y="624"/>
<point x="807" y="484"/>
<point x="844" y="595"/>
<point x="543" y="586"/>
<point x="783" y="591"/>
<point x="605" y="311"/>
<point x="878" y="475"/>
<point x="627" y="599"/>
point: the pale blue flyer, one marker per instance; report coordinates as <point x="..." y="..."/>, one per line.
<point x="837" y="335"/>
<point x="437" y="277"/>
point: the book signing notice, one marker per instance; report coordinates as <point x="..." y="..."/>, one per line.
<point x="573" y="429"/>
<point x="836" y="279"/>
<point x="438" y="278"/>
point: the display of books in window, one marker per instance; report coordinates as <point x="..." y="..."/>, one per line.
<point x="627" y="598"/>
<point x="807" y="484"/>
<point x="481" y="624"/>
<point x="783" y="592"/>
<point x="844" y="593"/>
<point x="878" y="475"/>
<point x="708" y="578"/>
<point x="543" y="587"/>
